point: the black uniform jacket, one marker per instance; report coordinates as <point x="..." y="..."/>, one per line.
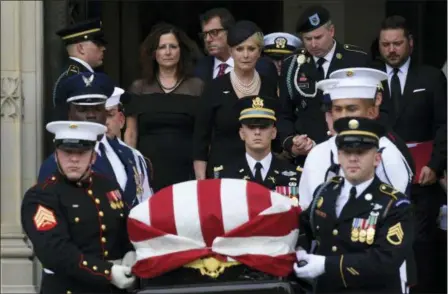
<point x="71" y="68"/>
<point x="422" y="110"/>
<point x="366" y="245"/>
<point x="280" y="173"/>
<point x="75" y="228"/>
<point x="304" y="115"/>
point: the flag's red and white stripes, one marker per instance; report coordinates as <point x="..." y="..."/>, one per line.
<point x="227" y="218"/>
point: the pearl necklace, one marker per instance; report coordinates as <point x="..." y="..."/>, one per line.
<point x="246" y="89"/>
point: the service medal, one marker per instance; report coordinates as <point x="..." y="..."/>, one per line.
<point x="113" y="205"/>
<point x="355" y="235"/>
<point x="362" y="236"/>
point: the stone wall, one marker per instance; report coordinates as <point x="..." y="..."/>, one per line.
<point x="21" y="133"/>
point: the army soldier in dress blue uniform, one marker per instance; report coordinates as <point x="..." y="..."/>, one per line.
<point x="359" y="230"/>
<point x="76" y="220"/>
<point x="85" y="95"/>
<point x="115" y="122"/>
<point x="85" y="46"/>
<point x="302" y="122"/>
<point x="278" y="46"/>
<point x="259" y="163"/>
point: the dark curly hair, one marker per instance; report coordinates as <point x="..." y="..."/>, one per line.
<point x="189" y="52"/>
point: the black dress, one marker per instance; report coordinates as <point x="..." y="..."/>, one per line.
<point x="165" y="134"/>
<point x="216" y="137"/>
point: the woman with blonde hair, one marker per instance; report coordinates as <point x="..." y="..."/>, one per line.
<point x="160" y="118"/>
<point x="216" y="139"/>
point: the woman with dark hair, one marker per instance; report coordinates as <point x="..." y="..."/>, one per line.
<point x="216" y="136"/>
<point x="161" y="114"/>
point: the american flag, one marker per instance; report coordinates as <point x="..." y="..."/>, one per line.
<point x="229" y="219"/>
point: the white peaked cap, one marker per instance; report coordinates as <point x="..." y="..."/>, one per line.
<point x="76" y="130"/>
<point x="358" y="82"/>
<point x="114" y="99"/>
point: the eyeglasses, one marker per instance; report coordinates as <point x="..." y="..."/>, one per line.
<point x="213" y="33"/>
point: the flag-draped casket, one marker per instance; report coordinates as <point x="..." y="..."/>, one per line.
<point x="211" y="225"/>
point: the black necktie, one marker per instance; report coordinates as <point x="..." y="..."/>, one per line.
<point x="395" y="90"/>
<point x="258" y="177"/>
<point x="320" y="68"/>
<point x="352" y="195"/>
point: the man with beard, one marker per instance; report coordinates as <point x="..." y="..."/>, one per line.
<point x="85" y="46"/>
<point x="85" y="96"/>
<point x="414" y="106"/>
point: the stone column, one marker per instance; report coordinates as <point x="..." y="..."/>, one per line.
<point x="21" y="133"/>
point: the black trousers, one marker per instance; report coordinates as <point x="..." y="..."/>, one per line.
<point x="426" y="203"/>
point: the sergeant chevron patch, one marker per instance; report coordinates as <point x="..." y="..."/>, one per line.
<point x="44" y="219"/>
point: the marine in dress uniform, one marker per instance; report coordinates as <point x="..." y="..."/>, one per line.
<point x="322" y="163"/>
<point x="76" y="220"/>
<point x="87" y="31"/>
<point x="257" y="117"/>
<point x="144" y="168"/>
<point x="360" y="228"/>
<point x="278" y="46"/>
<point x="301" y="111"/>
<point x="85" y="95"/>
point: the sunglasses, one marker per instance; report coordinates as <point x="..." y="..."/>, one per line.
<point x="213" y="33"/>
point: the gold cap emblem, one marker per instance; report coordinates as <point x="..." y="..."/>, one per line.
<point x="257" y="103"/>
<point x="73" y="126"/>
<point x="350" y="73"/>
<point x="353" y="124"/>
<point x="280" y="42"/>
<point x="320" y="202"/>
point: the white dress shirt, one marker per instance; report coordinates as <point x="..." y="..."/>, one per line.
<point x="218" y="62"/>
<point x="402" y="74"/>
<point x="328" y="58"/>
<point x="343" y="198"/>
<point x="117" y="165"/>
<point x="265" y="162"/>
<point x="83" y="63"/>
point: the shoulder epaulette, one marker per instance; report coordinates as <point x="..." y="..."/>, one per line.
<point x="299" y="168"/>
<point x="389" y="190"/>
<point x="337" y="179"/>
<point x="48" y="181"/>
<point x="73" y="69"/>
<point x="354" y="48"/>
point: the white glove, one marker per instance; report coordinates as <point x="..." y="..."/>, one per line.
<point x="129" y="259"/>
<point x="121" y="276"/>
<point x="314" y="268"/>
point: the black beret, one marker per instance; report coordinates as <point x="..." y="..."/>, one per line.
<point x="240" y="32"/>
<point x="89" y="30"/>
<point x="257" y="110"/>
<point x="312" y="18"/>
<point x="358" y="132"/>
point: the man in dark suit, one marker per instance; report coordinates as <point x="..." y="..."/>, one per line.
<point x="259" y="163"/>
<point x="302" y="122"/>
<point x="215" y="24"/>
<point x="85" y="47"/>
<point x="414" y="105"/>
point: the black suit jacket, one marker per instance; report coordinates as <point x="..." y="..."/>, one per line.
<point x="302" y="115"/>
<point x="204" y="68"/>
<point x="422" y="114"/>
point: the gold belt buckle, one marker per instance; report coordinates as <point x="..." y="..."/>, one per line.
<point x="211" y="266"/>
